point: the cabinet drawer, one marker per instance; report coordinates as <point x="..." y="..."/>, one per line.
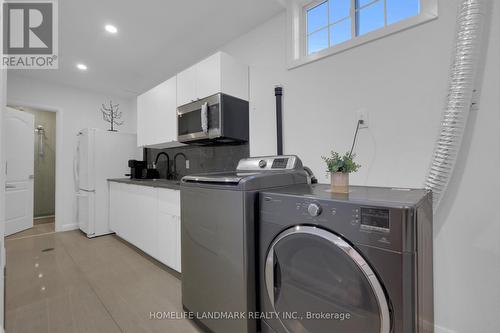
<point x="169" y="201"/>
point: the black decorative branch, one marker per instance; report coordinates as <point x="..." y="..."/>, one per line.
<point x="111" y="114"/>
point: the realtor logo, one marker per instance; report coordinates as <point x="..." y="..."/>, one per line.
<point x="30" y="35"/>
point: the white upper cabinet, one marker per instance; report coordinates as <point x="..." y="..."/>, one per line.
<point x="186" y="86"/>
<point x="156" y="115"/>
<point x="157" y="108"/>
<point x="219" y="73"/>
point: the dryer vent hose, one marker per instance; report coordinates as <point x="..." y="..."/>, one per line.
<point x="459" y="99"/>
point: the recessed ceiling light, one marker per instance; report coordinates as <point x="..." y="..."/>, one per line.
<point x="81" y="67"/>
<point x="111" y="29"/>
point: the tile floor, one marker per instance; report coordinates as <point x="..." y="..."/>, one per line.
<point x="64" y="282"/>
<point x="40" y="226"/>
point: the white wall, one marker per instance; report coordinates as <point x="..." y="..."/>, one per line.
<point x="78" y="109"/>
<point x="401" y="81"/>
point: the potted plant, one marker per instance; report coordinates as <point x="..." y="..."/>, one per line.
<point x="339" y="168"/>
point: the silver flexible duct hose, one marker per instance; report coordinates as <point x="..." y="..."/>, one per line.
<point x="459" y="98"/>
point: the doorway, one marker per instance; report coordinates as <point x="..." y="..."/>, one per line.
<point x="43" y="173"/>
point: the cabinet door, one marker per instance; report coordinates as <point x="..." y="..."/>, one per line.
<point x="169" y="201"/>
<point x="115" y="204"/>
<point x="145" y="215"/>
<point x="140" y="214"/>
<point x="208" y="74"/>
<point x="168" y="240"/>
<point x="121" y="211"/>
<point x="167" y="114"/>
<point x="143" y="104"/>
<point x="234" y="77"/>
<point x="156" y="114"/>
<point x="186" y="86"/>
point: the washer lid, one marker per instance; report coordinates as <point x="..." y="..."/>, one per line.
<point x="219" y="177"/>
<point x="318" y="282"/>
<point x="253" y="174"/>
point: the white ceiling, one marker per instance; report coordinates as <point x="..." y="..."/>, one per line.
<point x="155" y="40"/>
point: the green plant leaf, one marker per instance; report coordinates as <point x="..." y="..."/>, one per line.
<point x="338" y="163"/>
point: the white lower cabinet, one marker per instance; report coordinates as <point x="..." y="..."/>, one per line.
<point x="115" y="202"/>
<point x="148" y="218"/>
<point x="169" y="244"/>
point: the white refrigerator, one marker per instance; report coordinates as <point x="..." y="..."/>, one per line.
<point x="99" y="155"/>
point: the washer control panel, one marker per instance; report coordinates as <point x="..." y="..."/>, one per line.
<point x="270" y="163"/>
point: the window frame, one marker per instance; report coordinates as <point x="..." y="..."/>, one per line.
<point x="297" y="41"/>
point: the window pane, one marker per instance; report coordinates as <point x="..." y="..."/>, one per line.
<point x="317" y="41"/>
<point x="398" y="10"/>
<point x="317" y="17"/>
<point x="340" y="32"/>
<point x="370" y="18"/>
<point x="339" y="9"/>
<point x="361" y="3"/>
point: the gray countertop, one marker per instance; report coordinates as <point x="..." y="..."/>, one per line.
<point x="163" y="183"/>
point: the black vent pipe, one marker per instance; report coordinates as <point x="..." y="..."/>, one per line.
<point x="278" y="92"/>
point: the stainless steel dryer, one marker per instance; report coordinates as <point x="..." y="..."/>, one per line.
<point x="352" y="263"/>
<point x="218" y="212"/>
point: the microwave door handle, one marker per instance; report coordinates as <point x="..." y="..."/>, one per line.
<point x="204" y="117"/>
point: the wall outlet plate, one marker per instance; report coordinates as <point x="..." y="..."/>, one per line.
<point x="187" y="164"/>
<point x="362" y="114"/>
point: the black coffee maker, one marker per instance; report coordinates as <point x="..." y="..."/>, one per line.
<point x="138" y="169"/>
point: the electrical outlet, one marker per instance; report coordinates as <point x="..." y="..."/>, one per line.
<point x="362" y="114"/>
<point x="187" y="164"/>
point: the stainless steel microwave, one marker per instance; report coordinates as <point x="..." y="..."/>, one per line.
<point x="217" y="118"/>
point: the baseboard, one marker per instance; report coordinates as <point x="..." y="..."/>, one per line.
<point x="66" y="227"/>
<point x="43" y="217"/>
<point x="441" y="329"/>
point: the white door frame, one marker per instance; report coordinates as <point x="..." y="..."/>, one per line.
<point x="59" y="161"/>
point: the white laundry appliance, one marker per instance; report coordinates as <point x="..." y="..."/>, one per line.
<point x="99" y="155"/>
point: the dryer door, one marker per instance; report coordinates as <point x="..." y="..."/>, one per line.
<point x="317" y="282"/>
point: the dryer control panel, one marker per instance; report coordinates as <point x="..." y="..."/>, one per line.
<point x="376" y="226"/>
<point x="376" y="219"/>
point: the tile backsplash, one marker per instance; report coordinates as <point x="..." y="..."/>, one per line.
<point x="201" y="159"/>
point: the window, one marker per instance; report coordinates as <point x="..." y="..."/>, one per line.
<point x="333" y="22"/>
<point x="325" y="27"/>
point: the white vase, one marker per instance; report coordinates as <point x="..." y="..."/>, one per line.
<point x="339" y="182"/>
